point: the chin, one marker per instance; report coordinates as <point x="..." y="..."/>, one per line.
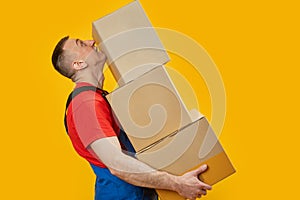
<point x="102" y="57"/>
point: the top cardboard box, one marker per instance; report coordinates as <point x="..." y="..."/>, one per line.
<point x="130" y="42"/>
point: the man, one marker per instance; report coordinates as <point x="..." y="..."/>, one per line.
<point x="96" y="136"/>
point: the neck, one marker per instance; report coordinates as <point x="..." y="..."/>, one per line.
<point x="91" y="74"/>
<point x="89" y="78"/>
<point x="96" y="84"/>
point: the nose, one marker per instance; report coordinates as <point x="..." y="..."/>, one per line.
<point x="90" y="42"/>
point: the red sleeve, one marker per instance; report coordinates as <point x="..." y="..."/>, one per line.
<point x="92" y="121"/>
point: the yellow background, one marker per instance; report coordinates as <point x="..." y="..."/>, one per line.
<point x="255" y="45"/>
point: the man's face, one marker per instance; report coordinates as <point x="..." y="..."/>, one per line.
<point x="85" y="51"/>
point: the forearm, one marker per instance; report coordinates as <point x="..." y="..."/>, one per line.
<point x="130" y="169"/>
<point x="138" y="173"/>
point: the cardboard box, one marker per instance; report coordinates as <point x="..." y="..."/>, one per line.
<point x="130" y="42"/>
<point x="187" y="149"/>
<point x="149" y="108"/>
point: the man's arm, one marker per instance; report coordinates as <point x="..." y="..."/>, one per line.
<point x="138" y="173"/>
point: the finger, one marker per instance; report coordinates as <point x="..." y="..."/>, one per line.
<point x="205" y="186"/>
<point x="203" y="192"/>
<point x="201" y="169"/>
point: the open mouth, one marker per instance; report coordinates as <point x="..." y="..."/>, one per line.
<point x="96" y="48"/>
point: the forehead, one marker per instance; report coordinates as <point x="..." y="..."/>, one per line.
<point x="70" y="44"/>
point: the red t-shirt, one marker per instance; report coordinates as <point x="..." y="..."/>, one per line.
<point x="89" y="118"/>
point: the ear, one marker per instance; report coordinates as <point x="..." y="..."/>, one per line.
<point x="79" y="64"/>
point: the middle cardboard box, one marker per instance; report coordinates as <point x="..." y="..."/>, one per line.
<point x="149" y="108"/>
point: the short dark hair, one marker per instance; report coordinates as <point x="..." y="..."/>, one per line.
<point x="57" y="56"/>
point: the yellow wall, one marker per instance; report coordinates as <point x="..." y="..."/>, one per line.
<point x="255" y="45"/>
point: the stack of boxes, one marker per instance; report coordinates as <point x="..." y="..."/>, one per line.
<point x="163" y="132"/>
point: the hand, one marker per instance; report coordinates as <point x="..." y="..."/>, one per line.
<point x="189" y="185"/>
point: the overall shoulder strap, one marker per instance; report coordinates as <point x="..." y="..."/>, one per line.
<point x="72" y="96"/>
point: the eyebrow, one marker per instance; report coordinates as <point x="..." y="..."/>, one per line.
<point x="77" y="40"/>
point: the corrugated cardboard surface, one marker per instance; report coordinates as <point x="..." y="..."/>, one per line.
<point x="186" y="150"/>
<point x="131" y="44"/>
<point x="149" y="108"/>
<point x="189" y="148"/>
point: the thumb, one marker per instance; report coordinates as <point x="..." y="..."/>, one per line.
<point x="201" y="169"/>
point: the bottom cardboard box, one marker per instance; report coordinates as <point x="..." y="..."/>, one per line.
<point x="187" y="149"/>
